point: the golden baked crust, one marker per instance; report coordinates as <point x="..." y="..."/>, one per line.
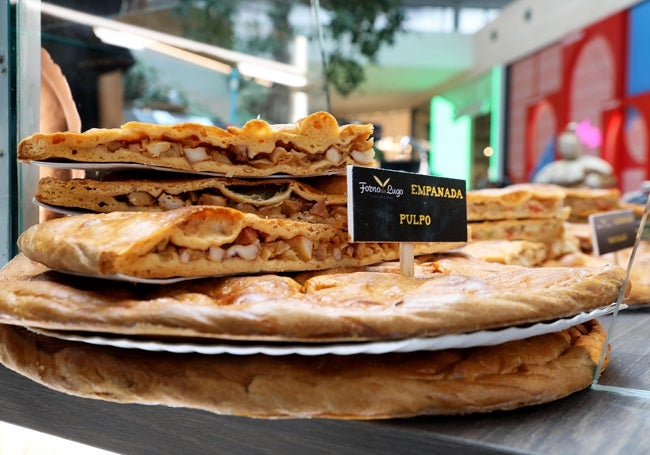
<point x="312" y="146"/>
<point x="639" y="274"/>
<point x="196" y="241"/>
<point x="519" y="201"/>
<point x="269" y="198"/>
<point x="638" y="209"/>
<point x="448" y="294"/>
<point x="507" y="376"/>
<point x="545" y="230"/>
<point x="578" y="259"/>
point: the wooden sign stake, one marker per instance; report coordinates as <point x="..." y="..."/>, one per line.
<point x="407" y="259"/>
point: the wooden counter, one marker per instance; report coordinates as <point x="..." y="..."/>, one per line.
<point x="588" y="422"/>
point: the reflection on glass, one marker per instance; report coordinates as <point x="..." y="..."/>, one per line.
<point x="219" y="62"/>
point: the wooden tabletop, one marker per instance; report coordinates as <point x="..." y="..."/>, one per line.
<point x="588" y="422"/>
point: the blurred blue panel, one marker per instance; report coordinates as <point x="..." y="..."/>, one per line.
<point x="638" y="80"/>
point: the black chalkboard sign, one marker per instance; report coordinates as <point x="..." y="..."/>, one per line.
<point x="612" y="231"/>
<point x="396" y="206"/>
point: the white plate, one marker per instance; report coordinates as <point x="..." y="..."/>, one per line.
<point x="61" y="210"/>
<point x="483" y="338"/>
<point x="133" y="279"/>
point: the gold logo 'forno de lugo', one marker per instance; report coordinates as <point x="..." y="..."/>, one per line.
<point x="382" y="187"/>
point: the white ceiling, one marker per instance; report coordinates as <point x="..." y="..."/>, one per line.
<point x="410" y="75"/>
<point x="406" y="72"/>
<point x="419" y="62"/>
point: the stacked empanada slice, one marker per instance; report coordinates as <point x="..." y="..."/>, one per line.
<point x="195" y="242"/>
<point x="528" y="218"/>
<point x="315" y="145"/>
<point x="270" y="224"/>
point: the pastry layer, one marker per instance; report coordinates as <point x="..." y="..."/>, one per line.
<point x="544" y="230"/>
<point x="588" y="201"/>
<point x="268" y="198"/>
<point x="515" y="252"/>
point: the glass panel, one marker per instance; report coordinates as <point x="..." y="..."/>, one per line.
<point x="28" y="86"/>
<point x="218" y="62"/>
<point x="161" y="61"/>
<point x="6" y="140"/>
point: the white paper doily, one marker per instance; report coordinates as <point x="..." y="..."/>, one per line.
<point x="482" y="338"/>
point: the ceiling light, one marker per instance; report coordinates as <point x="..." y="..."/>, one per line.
<point x="273" y="75"/>
<point x="121" y="39"/>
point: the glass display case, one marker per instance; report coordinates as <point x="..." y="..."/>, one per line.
<point x="7" y="142"/>
<point x="221" y="63"/>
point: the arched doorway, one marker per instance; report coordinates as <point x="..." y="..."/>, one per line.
<point x="635" y="136"/>
<point x="592" y="85"/>
<point x="540" y="143"/>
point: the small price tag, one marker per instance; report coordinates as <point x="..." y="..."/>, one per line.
<point x="612" y="231"/>
<point x="396" y="206"/>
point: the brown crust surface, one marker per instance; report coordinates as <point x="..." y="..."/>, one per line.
<point x="507" y="376"/>
<point x="449" y="294"/>
<point x="314" y="145"/>
<point x="639" y="274"/>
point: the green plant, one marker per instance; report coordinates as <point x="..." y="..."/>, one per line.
<point x="359" y="28"/>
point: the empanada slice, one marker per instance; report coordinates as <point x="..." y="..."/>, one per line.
<point x="449" y="294"/>
<point x="197" y="241"/>
<point x="589" y="201"/>
<point x="544" y="230"/>
<point x="515" y="252"/>
<point x="269" y="198"/>
<point x="314" y="145"/>
<point x="519" y="201"/>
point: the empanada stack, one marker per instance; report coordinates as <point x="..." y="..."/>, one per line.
<point x="241" y="294"/>
<point x="292" y="215"/>
<point x="524" y="221"/>
<point x="546" y="225"/>
<point x="68" y="333"/>
<point x="591" y="201"/>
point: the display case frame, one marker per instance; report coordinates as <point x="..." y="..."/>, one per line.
<point x="583" y="422"/>
<point x="7" y="138"/>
